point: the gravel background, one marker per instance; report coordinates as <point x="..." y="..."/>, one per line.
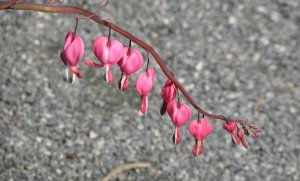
<point x="229" y="55"/>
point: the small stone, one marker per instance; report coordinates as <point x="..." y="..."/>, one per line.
<point x="58" y="171"/>
<point x="199" y="66"/>
<point x="232" y="20"/>
<point x="38" y="139"/>
<point x="93" y="135"/>
<point x="264" y="40"/>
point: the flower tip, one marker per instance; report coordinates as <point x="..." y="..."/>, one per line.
<point x="141" y="114"/>
<point x="163" y="109"/>
<point x="76" y="71"/>
<point x="123" y="83"/>
<point x="198" y="148"/>
<point x="144" y="104"/>
<point x="176" y="136"/>
<point x="108" y="77"/>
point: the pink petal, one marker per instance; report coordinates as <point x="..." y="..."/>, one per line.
<point x="108" y="77"/>
<point x="240" y="134"/>
<point x="183" y="115"/>
<point x="90" y="63"/>
<point x="144" y="82"/>
<point x="235" y="139"/>
<point x="67" y="42"/>
<point x="130" y="64"/>
<point x="63" y="58"/>
<point x="198" y="148"/>
<point x="200" y="130"/>
<point x="68" y="39"/>
<point x="168" y="92"/>
<point x="172" y="109"/>
<point x="151" y="73"/>
<point x="75" y="71"/>
<point x="230" y="127"/>
<point x="108" y="55"/>
<point x="74" y="52"/>
<point x="144" y="104"/>
<point x="179" y="114"/>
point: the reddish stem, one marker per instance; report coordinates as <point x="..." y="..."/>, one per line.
<point x="12" y="4"/>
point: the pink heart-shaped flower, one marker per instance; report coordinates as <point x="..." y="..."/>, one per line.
<point x="179" y="113"/>
<point x="73" y="52"/>
<point x="109" y="55"/>
<point x="131" y="62"/>
<point x="145" y="82"/>
<point x="168" y="94"/>
<point x="200" y="129"/>
<point x="143" y="86"/>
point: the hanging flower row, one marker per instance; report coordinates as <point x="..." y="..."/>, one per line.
<point x="110" y="52"/>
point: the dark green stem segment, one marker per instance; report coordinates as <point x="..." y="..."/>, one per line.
<point x="12" y="4"/>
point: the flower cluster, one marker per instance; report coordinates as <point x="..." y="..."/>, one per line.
<point x="238" y="134"/>
<point x="180" y="114"/>
<point x="110" y="52"/>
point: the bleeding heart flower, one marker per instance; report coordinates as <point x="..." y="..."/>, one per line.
<point x="180" y="114"/>
<point x="231" y="127"/>
<point x="131" y="62"/>
<point x="143" y="86"/>
<point x="200" y="129"/>
<point x="108" y="53"/>
<point x="168" y="94"/>
<point x="71" y="54"/>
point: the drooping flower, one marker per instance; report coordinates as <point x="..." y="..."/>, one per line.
<point x="231" y="128"/>
<point x="200" y="129"/>
<point x="131" y="62"/>
<point x="71" y="54"/>
<point x="168" y="94"/>
<point x="180" y="114"/>
<point x="144" y="84"/>
<point x="108" y="53"/>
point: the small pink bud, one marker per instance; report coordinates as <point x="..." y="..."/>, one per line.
<point x="179" y="113"/>
<point x="254" y="134"/>
<point x="246" y="131"/>
<point x="168" y="94"/>
<point x="231" y="127"/>
<point x="240" y="134"/>
<point x="143" y="86"/>
<point x="235" y="139"/>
